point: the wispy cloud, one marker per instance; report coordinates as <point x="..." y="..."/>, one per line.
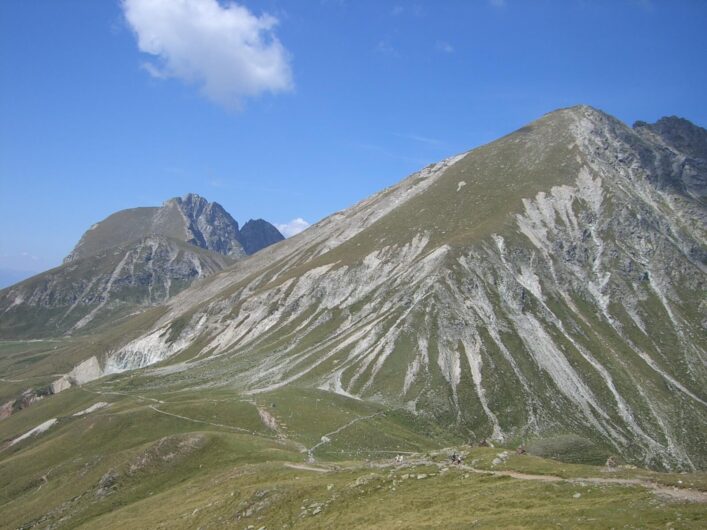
<point x="379" y="150"/>
<point x="384" y="47"/>
<point x="222" y="47"/>
<point x="444" y="47"/>
<point x="218" y="183"/>
<point x="416" y="10"/>
<point x="497" y="3"/>
<point x="646" y="5"/>
<point x="421" y="139"/>
<point x="292" y="228"/>
<point x="25" y="261"/>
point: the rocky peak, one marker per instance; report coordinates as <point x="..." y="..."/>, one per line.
<point x="257" y="234"/>
<point x="679" y="148"/>
<point x="678" y="133"/>
<point x="210" y="225"/>
<point x="190" y="218"/>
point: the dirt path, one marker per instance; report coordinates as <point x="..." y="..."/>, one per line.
<point x="669" y="492"/>
<point x="675" y="493"/>
<point x="515" y="474"/>
<point x="305" y="467"/>
<point x="325" y="439"/>
<point x="221" y="425"/>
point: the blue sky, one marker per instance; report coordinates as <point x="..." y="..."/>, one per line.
<point x="313" y="106"/>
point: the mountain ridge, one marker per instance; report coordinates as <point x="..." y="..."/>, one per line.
<point x="545" y="283"/>
<point x="133" y="259"/>
<point x="447" y="288"/>
<point x="190" y="218"/>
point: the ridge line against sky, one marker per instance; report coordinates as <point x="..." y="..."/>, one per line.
<point x="290" y="111"/>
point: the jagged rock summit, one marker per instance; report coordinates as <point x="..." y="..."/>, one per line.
<point x="679" y="134"/>
<point x="133" y="259"/>
<point x="191" y="219"/>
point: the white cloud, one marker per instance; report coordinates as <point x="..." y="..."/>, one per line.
<point x="292" y="228"/>
<point x="226" y="50"/>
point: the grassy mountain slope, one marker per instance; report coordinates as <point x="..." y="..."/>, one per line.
<point x="295" y="459"/>
<point x="549" y="282"/>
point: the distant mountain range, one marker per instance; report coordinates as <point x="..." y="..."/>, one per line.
<point x="132" y="259"/>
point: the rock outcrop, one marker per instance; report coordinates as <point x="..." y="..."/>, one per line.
<point x="103" y="286"/>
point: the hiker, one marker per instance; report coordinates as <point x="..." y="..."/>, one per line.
<point x="455" y="458"/>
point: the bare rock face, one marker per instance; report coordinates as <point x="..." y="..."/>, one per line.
<point x="678" y="133"/>
<point x="679" y="153"/>
<point x="111" y="283"/>
<point x="209" y="226"/>
<point x="560" y="289"/>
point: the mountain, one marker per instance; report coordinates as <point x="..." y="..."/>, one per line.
<point x="551" y="281"/>
<point x="546" y="290"/>
<point x="258" y="234"/>
<point x="133" y="259"/>
<point x="191" y="219"/>
<point x="110" y="284"/>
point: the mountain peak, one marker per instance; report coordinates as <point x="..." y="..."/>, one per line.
<point x="257" y="234"/>
<point x="677" y="133"/>
<point x="190" y="218"/>
<point x="581" y="109"/>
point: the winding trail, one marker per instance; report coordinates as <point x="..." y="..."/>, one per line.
<point x="326" y="438"/>
<point x="305" y="467"/>
<point x="671" y="492"/>
<point x="681" y="494"/>
<point x="221" y="425"/>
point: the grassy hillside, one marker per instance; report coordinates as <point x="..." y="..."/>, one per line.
<point x="297" y="458"/>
